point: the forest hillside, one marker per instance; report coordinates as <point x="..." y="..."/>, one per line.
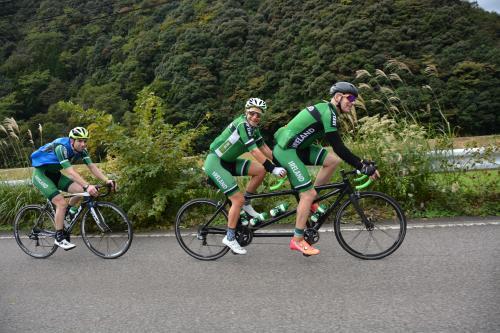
<point x="425" y="59"/>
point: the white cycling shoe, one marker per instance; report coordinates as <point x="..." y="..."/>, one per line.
<point x="65" y="245"/>
<point x="234" y="246"/>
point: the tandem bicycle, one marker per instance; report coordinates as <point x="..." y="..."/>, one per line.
<point x="367" y="224"/>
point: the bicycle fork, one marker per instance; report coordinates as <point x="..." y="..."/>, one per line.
<point x="98" y="218"/>
<point x="366" y="221"/>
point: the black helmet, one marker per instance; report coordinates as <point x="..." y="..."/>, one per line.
<point x="344" y="87"/>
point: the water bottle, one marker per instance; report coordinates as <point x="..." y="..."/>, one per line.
<point x="283" y="207"/>
<point x="275" y="211"/>
<point x="318" y="213"/>
<point x="263" y="216"/>
<point x="278" y="210"/>
<point x="260" y="218"/>
<point x="254" y="221"/>
<point x="70" y="214"/>
<point x="243" y="218"/>
<point x="322" y="209"/>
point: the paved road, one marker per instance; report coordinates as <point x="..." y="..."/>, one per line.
<point x="443" y="279"/>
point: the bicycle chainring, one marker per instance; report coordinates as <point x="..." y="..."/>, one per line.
<point x="311" y="236"/>
<point x="244" y="235"/>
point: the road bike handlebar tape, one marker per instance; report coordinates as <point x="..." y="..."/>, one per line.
<point x="278" y="184"/>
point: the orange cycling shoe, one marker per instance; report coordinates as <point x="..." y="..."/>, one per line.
<point x="304" y="247"/>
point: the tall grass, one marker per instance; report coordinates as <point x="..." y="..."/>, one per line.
<point x="15" y="147"/>
<point x="398" y="139"/>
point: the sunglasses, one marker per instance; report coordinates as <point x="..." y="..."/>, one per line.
<point x="254" y="114"/>
<point x="350" y="98"/>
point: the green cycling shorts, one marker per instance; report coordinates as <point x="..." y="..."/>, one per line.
<point x="295" y="161"/>
<point x="50" y="182"/>
<point x="222" y="172"/>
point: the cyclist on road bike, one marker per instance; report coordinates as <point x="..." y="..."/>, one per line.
<point x="295" y="149"/>
<point x="49" y="160"/>
<point x="222" y="163"/>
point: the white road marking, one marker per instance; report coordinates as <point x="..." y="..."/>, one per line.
<point x="409" y="226"/>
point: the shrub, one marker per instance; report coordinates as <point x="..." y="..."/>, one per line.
<point x="153" y="161"/>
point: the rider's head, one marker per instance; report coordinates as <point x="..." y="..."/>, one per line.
<point x="343" y="95"/>
<point x="79" y="136"/>
<point x="254" y="108"/>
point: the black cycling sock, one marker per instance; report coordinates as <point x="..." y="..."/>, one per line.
<point x="59" y="235"/>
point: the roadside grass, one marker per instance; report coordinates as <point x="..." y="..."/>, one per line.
<point x="472" y="141"/>
<point x="25" y="173"/>
<point x="15" y="174"/>
<point x="472" y="193"/>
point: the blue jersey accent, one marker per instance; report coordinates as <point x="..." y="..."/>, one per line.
<point x="46" y="154"/>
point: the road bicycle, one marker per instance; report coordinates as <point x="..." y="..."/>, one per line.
<point x="104" y="228"/>
<point x="367" y="224"/>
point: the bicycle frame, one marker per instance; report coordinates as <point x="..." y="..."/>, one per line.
<point x="341" y="189"/>
<point x="88" y="201"/>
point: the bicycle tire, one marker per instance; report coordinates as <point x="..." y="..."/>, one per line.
<point x="106" y="230"/>
<point x="34" y="230"/>
<point x="387" y="218"/>
<point x="200" y="241"/>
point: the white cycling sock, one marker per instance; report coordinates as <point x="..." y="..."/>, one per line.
<point x="250" y="211"/>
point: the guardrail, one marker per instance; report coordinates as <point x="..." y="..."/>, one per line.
<point x="469" y="159"/>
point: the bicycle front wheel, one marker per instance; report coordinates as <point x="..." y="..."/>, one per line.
<point x="379" y="235"/>
<point x="200" y="227"/>
<point x="106" y="230"/>
<point x="34" y="231"/>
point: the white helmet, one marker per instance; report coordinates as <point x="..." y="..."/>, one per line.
<point x="256" y="102"/>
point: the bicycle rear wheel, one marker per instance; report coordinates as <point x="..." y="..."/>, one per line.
<point x="34" y="231"/>
<point x="384" y="233"/>
<point x="199" y="229"/>
<point x="106" y="230"/>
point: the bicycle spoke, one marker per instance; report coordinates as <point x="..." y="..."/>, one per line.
<point x="109" y="239"/>
<point x="356" y="236"/>
<point x="196" y="215"/>
<point x="385" y="230"/>
<point x="34" y="231"/>
<point x="386" y="233"/>
<point x="379" y="246"/>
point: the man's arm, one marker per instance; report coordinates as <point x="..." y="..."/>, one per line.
<point x="75" y="176"/>
<point x="342" y="151"/>
<point x="266" y="151"/>
<point x="97" y="172"/>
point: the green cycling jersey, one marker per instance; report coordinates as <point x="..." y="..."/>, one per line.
<point x="307" y="126"/>
<point x="238" y="138"/>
